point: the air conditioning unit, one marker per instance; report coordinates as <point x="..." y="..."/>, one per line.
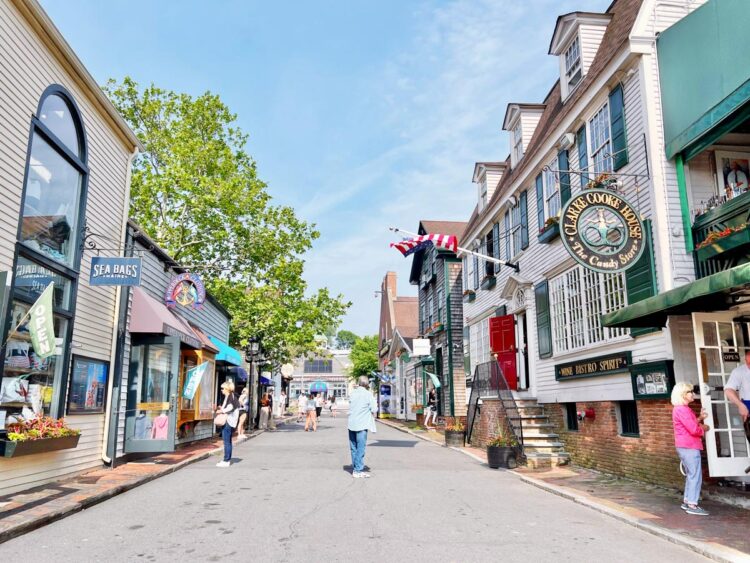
<point x="566" y="141"/>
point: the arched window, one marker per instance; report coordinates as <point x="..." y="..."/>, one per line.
<point x="48" y="249"/>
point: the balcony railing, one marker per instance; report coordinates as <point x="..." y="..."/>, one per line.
<point x="721" y="237"/>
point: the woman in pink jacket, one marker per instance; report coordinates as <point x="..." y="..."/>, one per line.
<point x="688" y="434"/>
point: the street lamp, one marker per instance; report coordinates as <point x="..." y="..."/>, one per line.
<point x="252" y="354"/>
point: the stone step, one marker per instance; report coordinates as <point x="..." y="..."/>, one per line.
<point x="546" y="460"/>
<point x="526" y="402"/>
<point x="532" y="435"/>
<point x="542" y="448"/>
<point x="529" y="411"/>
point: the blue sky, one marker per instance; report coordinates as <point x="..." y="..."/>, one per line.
<point x="361" y="114"/>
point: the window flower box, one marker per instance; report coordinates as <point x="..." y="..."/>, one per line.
<point x="488" y="282"/>
<point x="719" y="242"/>
<point x="11" y="448"/>
<point x="550" y="232"/>
<point x="436" y="328"/>
<point x="469" y="296"/>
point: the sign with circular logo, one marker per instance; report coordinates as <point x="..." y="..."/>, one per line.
<point x="186" y="290"/>
<point x="602" y="231"/>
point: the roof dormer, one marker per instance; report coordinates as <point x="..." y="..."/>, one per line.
<point x="521" y="120"/>
<point x="575" y="41"/>
<point x="487" y="176"/>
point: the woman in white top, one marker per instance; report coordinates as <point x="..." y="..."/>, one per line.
<point x="231" y="408"/>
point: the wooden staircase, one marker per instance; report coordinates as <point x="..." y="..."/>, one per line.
<point x="541" y="444"/>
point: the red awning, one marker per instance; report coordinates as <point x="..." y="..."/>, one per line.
<point x="206" y="343"/>
<point x="148" y="316"/>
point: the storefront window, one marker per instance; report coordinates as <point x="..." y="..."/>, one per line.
<point x="208" y="383"/>
<point x="188" y="363"/>
<point x="30" y="381"/>
<point x="32" y="279"/>
<point x="51" y="206"/>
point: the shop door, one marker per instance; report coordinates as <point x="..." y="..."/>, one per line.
<point x="720" y="347"/>
<point x="443" y="387"/>
<point x="503" y="343"/>
<point x="152" y="395"/>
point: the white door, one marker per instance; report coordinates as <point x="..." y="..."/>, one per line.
<point x="720" y="345"/>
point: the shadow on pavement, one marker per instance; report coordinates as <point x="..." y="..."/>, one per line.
<point x="394" y="443"/>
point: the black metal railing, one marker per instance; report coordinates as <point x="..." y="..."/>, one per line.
<point x="489" y="383"/>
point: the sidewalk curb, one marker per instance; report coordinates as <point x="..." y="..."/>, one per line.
<point x="93" y="500"/>
<point x="716" y="552"/>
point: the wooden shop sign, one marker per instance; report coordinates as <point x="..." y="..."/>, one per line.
<point x="602" y="231"/>
<point x="594" y="367"/>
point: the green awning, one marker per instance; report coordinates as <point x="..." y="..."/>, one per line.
<point x="712" y="293"/>
<point x="435" y="380"/>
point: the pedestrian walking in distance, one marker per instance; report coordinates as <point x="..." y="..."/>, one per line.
<point x="265" y="411"/>
<point x="332" y="406"/>
<point x="431" y="409"/>
<point x="318" y="405"/>
<point x="311" y="420"/>
<point x="230" y="408"/>
<point x="244" y="409"/>
<point x="301" y="407"/>
<point x="271" y="408"/>
<point x="688" y="431"/>
<point x="362" y="408"/>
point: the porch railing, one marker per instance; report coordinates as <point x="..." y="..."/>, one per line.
<point x="489" y="383"/>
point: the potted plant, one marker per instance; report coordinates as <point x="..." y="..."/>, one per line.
<point x="417" y="408"/>
<point x="455" y="433"/>
<point x="501" y="450"/>
<point x="37" y="435"/>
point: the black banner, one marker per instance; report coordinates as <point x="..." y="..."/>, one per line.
<point x="594" y="367"/>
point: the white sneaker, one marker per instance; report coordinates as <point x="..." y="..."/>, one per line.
<point x="224" y="464"/>
<point x="361" y="475"/>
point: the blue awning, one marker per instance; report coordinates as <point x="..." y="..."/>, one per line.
<point x="265" y="381"/>
<point x="238" y="372"/>
<point x="226" y="353"/>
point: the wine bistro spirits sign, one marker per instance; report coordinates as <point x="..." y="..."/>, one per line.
<point x="602" y="231"/>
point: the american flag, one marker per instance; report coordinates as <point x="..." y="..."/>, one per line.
<point x="410" y="246"/>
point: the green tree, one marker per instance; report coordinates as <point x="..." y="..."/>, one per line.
<point x="364" y="356"/>
<point x="195" y="191"/>
<point x="345" y="339"/>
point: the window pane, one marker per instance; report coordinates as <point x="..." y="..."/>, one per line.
<point x="189" y="362"/>
<point x="32" y="279"/>
<point x="206" y="401"/>
<point x="50" y="210"/>
<point x="56" y="115"/>
<point x="43" y="374"/>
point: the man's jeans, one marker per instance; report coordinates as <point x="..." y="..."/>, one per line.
<point x="226" y="434"/>
<point x="357" y="443"/>
<point x="691" y="460"/>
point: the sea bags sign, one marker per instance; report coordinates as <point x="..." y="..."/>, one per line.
<point x="115" y="271"/>
<point x="602" y="231"/>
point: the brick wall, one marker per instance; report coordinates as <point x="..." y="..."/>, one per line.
<point x="485" y="427"/>
<point x="597" y="444"/>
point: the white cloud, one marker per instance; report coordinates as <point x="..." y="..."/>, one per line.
<point x="444" y="98"/>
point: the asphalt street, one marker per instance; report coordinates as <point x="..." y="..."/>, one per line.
<point x="289" y="496"/>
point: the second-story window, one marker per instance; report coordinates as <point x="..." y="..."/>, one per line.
<point x="517" y="141"/>
<point x="483" y="194"/>
<point x="430" y="311"/>
<point x="599" y="134"/>
<point x="573" y="70"/>
<point x="440" y="305"/>
<point x="551" y="191"/>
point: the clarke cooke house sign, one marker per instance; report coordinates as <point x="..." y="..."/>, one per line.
<point x="602" y="231"/>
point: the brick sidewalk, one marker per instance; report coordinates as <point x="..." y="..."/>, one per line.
<point x="27" y="510"/>
<point x="722" y="536"/>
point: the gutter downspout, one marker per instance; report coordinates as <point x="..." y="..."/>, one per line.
<point x="684" y="205"/>
<point x="111" y="415"/>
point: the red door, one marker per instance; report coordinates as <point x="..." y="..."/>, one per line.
<point x="503" y="343"/>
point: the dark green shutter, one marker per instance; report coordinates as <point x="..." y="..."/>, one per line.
<point x="563" y="166"/>
<point x="476" y="272"/>
<point x="640" y="278"/>
<point x="465" y="272"/>
<point x="501" y="311"/>
<point x="540" y="202"/>
<point x="507" y="236"/>
<point x="543" y="320"/>
<point x="583" y="155"/>
<point x="522" y="201"/>
<point x="617" y="125"/>
<point x="496" y="244"/>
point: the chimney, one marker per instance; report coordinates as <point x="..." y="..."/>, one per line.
<point x="389" y="284"/>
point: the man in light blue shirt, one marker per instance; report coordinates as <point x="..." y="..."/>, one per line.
<point x="362" y="408"/>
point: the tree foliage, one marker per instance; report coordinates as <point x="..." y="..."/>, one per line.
<point x="195" y="191"/>
<point x="364" y="356"/>
<point x="345" y="339"/>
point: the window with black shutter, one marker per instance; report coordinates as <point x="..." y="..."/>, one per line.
<point x="640" y="278"/>
<point x="523" y="203"/>
<point x="628" y="418"/>
<point x="496" y="244"/>
<point x="489" y="244"/>
<point x="617" y="126"/>
<point x="563" y="166"/>
<point x="571" y="417"/>
<point x="583" y="157"/>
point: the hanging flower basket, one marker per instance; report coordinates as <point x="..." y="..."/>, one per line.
<point x="603" y="182"/>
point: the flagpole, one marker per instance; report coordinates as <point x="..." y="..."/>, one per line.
<point x="465" y="251"/>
